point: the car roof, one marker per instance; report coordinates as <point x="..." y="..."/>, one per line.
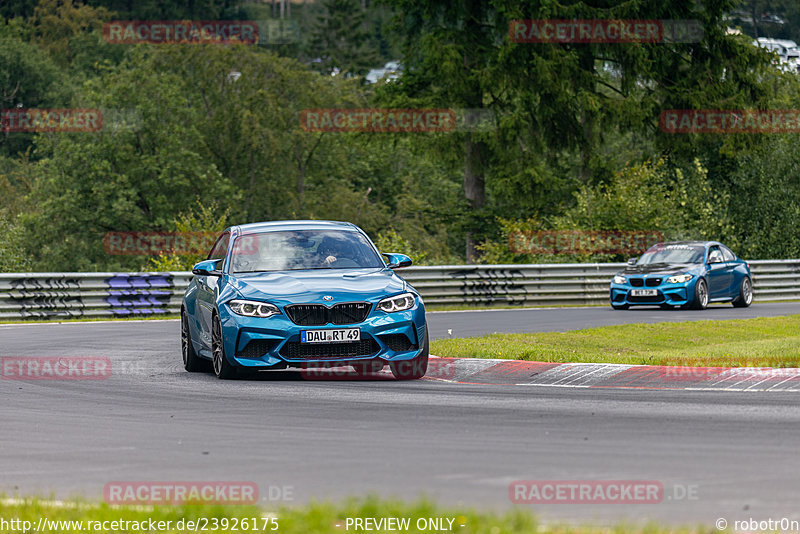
<point x="695" y="243"/>
<point x="275" y="226"/>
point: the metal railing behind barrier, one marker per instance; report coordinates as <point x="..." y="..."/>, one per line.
<point x="63" y="295"/>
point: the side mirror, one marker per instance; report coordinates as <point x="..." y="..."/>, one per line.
<point x="632" y="261"/>
<point x="396" y="261"/>
<point x="207" y="268"/>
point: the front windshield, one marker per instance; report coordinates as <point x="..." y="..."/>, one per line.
<point x="301" y="250"/>
<point x="672" y="254"/>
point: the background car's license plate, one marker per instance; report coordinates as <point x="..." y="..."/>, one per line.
<point x="332" y="335"/>
<point x="644" y="292"/>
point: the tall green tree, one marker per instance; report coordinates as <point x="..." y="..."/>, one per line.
<point x="216" y="123"/>
<point x="560" y="98"/>
<point x="341" y="39"/>
<point x="28" y="79"/>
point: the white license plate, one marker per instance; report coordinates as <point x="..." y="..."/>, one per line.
<point x="332" y="335"/>
<point x="644" y="292"/>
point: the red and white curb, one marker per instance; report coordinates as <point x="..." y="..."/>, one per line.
<point x="609" y="375"/>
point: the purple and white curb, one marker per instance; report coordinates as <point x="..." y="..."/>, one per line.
<point x="608" y="375"/>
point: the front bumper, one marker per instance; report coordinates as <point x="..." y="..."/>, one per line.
<point x="274" y="342"/>
<point x="672" y="294"/>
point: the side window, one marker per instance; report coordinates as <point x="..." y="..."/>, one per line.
<point x="727" y="254"/>
<point x="220" y="248"/>
<point x="714" y="255"/>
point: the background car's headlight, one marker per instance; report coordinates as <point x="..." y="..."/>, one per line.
<point x="399" y="303"/>
<point x="251" y="308"/>
<point x="679" y="278"/>
<point x="619" y="279"/>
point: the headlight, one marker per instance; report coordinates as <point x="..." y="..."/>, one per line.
<point x="679" y="278"/>
<point x="620" y="279"/>
<point x="251" y="308"/>
<point x="399" y="303"/>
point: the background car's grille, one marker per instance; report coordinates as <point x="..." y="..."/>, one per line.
<point x="256" y="348"/>
<point x="321" y="351"/>
<point x="652" y="282"/>
<point x="636" y="282"/>
<point x="318" y="315"/>
<point x="398" y="342"/>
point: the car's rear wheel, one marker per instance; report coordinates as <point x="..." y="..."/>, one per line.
<point x="414" y="368"/>
<point x="222" y="367"/>
<point x="745" y="297"/>
<point x="191" y="361"/>
<point x="700" y="301"/>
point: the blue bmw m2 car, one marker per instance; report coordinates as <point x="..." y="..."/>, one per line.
<point x="302" y="294"/>
<point x="689" y="274"/>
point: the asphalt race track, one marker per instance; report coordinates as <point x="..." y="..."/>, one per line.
<point x="729" y="455"/>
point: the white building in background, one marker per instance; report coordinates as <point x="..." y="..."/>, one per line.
<point x="787" y="51"/>
<point x="391" y="71"/>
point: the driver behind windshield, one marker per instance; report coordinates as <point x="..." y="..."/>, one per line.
<point x="668" y="254"/>
<point x="332" y="251"/>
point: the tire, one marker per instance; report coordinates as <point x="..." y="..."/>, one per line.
<point x="415" y="368"/>
<point x="745" y="297"/>
<point x="222" y="367"/>
<point x="191" y="361"/>
<point x="368" y="368"/>
<point x="700" y="301"/>
<point x="620" y="306"/>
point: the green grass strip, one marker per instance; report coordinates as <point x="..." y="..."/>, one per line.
<point x="315" y="518"/>
<point x="761" y="342"/>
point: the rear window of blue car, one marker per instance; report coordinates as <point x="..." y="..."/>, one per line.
<point x="727" y="254"/>
<point x="303" y="250"/>
<point x="672" y="253"/>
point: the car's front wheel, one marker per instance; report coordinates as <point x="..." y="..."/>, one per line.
<point x="222" y="367"/>
<point x="700" y="301"/>
<point x="191" y="361"/>
<point x="414" y="368"/>
<point x="745" y="297"/>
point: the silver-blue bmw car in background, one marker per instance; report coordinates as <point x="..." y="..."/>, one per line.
<point x="687" y="274"/>
<point x="302" y="294"/>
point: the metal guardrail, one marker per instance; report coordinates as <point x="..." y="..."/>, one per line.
<point x="61" y="295"/>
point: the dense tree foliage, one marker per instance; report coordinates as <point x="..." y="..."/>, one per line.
<point x="196" y="136"/>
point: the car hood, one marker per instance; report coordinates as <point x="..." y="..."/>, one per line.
<point x="343" y="285"/>
<point x="659" y="268"/>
